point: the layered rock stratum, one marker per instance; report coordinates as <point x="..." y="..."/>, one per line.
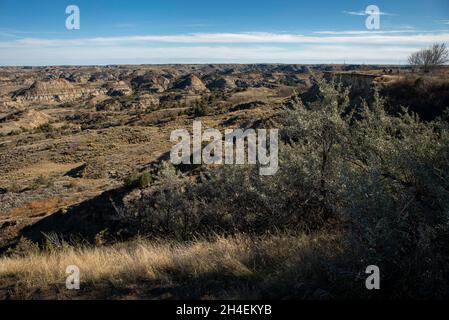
<point x="56" y="90"/>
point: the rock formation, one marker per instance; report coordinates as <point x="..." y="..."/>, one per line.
<point x="190" y="83"/>
<point x="222" y="83"/>
<point x="57" y="90"/>
<point x="150" y="83"/>
<point x="118" y="89"/>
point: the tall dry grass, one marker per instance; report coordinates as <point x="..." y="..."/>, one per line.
<point x="237" y="258"/>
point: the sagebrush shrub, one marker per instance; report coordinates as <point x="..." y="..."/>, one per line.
<point x="381" y="179"/>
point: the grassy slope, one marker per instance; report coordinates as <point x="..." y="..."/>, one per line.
<point x="235" y="267"/>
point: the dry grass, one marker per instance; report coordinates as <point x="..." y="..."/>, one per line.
<point x="252" y="94"/>
<point x="238" y="258"/>
<point x="38" y="207"/>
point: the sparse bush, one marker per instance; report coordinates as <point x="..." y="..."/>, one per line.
<point x="200" y="109"/>
<point x="145" y="179"/>
<point x="131" y="179"/>
<point x="436" y="55"/>
<point x="15" y="132"/>
<point x="46" y="127"/>
<point x="204" y="106"/>
<point x="54" y="242"/>
<point x="140" y="180"/>
<point x="14" y="188"/>
<point x="42" y="181"/>
<point x="72" y="184"/>
<point x="23" y="248"/>
<point x="100" y="237"/>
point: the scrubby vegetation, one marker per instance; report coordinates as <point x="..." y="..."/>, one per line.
<point x="141" y="180"/>
<point x="356" y="186"/>
<point x="427" y="96"/>
<point x="380" y="180"/>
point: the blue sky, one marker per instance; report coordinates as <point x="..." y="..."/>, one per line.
<point x="175" y="31"/>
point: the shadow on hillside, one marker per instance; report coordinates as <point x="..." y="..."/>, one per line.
<point x="81" y="221"/>
<point x="86" y="219"/>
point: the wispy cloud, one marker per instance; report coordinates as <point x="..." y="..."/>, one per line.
<point x="322" y="37"/>
<point x="206" y="54"/>
<point x="11" y="33"/>
<point x="352" y="46"/>
<point x="8" y="35"/>
<point x="406" y="27"/>
<point x="364" y="13"/>
<point x="367" y="32"/>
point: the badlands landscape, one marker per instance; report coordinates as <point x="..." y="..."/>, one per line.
<point x="84" y="150"/>
<point x="69" y="134"/>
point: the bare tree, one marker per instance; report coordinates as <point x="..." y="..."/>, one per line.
<point x="436" y="55"/>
